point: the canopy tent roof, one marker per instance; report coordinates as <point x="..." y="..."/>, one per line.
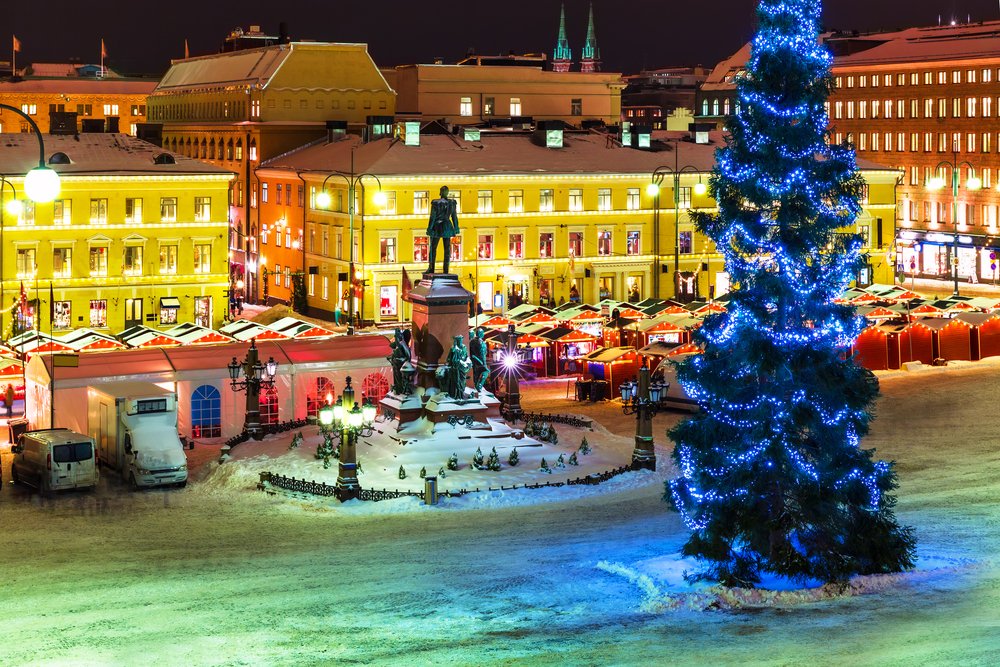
<point x="610" y="354"/>
<point x="194" y="334"/>
<point x="296" y="328"/>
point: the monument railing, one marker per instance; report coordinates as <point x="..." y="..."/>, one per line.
<point x="375" y="495"/>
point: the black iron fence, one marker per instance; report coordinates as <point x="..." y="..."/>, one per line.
<point x="375" y="495"/>
<point x="539" y="417"/>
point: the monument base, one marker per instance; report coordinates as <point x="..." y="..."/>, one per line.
<point x="440" y="313"/>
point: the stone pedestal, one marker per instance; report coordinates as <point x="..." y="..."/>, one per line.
<point x="440" y="312"/>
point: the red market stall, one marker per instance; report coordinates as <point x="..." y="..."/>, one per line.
<point x="984" y="334"/>
<point x="612" y="365"/>
<point x="871" y="349"/>
<point x="569" y="347"/>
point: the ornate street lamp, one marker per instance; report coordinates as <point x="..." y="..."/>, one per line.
<point x="352" y="421"/>
<point x="973" y="184"/>
<point x="250" y="375"/>
<point x="642" y="399"/>
<point x="323" y="200"/>
<point x="653" y="190"/>
<point x="41" y="184"/>
<point x="511" y="367"/>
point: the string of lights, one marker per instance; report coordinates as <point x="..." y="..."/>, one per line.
<point x="771" y="470"/>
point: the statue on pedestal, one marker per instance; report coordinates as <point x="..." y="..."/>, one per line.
<point x="442" y="226"/>
<point x="400" y="360"/>
<point x="453" y="376"/>
<point x="477" y="353"/>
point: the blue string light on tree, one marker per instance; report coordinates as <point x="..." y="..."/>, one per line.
<point x="772" y="475"/>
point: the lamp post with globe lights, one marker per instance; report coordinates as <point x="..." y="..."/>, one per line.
<point x="41" y="185"/>
<point x="973" y="183"/>
<point x="250" y="375"/>
<point x="653" y="190"/>
<point x="323" y="200"/>
<point x="352" y="420"/>
<point x="642" y="398"/>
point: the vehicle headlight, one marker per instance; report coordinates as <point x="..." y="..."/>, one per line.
<point x="143" y="471"/>
<point x="183" y="467"/>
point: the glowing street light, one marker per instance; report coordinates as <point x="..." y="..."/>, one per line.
<point x="973" y="184"/>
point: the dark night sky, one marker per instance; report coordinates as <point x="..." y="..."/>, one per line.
<point x="631" y="33"/>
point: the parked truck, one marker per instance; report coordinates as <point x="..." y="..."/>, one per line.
<point x="134" y="425"/>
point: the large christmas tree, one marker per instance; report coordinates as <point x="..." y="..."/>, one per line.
<point x="773" y="478"/>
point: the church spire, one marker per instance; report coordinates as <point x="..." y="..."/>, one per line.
<point x="591" y="61"/>
<point x="563" y="56"/>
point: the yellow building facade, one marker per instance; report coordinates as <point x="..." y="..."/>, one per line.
<point x="136" y="236"/>
<point x="539" y="224"/>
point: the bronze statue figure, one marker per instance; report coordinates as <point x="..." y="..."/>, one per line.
<point x="443" y="225"/>
<point x="477" y="353"/>
<point x="452" y="377"/>
<point x="399" y="359"/>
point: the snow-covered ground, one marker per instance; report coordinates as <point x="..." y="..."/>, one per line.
<point x="221" y="574"/>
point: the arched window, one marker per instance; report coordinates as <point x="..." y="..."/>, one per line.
<point x="375" y="386"/>
<point x="206" y="412"/>
<point x="715" y="107"/>
<point x="317" y="397"/>
<point x="229" y="149"/>
<point x="269" y="405"/>
<point x="704" y="107"/>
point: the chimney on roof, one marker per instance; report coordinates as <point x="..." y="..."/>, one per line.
<point x="377" y="127"/>
<point x="549" y="133"/>
<point x="411" y="132"/>
<point x="699" y="132"/>
<point x="335" y="129"/>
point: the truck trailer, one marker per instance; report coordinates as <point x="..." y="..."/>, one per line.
<point x="134" y="425"/>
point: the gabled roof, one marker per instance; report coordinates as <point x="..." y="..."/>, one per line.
<point x="331" y="67"/>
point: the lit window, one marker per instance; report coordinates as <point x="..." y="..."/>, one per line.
<point x="203" y="258"/>
<point x="632" y="199"/>
<point x="62" y="315"/>
<point x="133" y="209"/>
<point x="546" y="201"/>
<point x="576" y="107"/>
<point x="98" y="313"/>
<point x="98" y="211"/>
<point x="389" y="207"/>
<point x="202" y="209"/>
<point x="604" y="242"/>
<point x="632" y="244"/>
<point x="62" y="211"/>
<point x="132" y="260"/>
<point x="516" y="246"/>
<point x="465" y="106"/>
<point x="62" y="262"/>
<point x="99" y="261"/>
<point x="515" y="106"/>
<point x="485" y="201"/>
<point x="168" y="259"/>
<point x="421" y="248"/>
<point x="485" y="249"/>
<point x="421" y="202"/>
<point x="515" y="201"/>
<point x="387" y="250"/>
<point x="576" y="244"/>
<point x="26" y="262"/>
<point x="604" y="199"/>
<point x="686" y="245"/>
<point x="576" y="200"/>
<point x="168" y="209"/>
<point x="545" y="244"/>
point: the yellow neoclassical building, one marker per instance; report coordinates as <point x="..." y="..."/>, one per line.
<point x="546" y="217"/>
<point x="137" y="236"/>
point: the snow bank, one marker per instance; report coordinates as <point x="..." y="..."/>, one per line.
<point x="663" y="587"/>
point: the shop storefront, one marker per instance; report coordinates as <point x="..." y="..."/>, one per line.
<point x="922" y="254"/>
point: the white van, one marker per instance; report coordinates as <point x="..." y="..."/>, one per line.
<point x="54" y="460"/>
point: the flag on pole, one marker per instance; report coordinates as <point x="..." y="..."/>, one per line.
<point x="17" y="44"/>
<point x="187" y="51"/>
<point x="407" y="285"/>
<point x="104" y="51"/>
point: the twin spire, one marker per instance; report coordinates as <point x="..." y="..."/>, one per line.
<point x="563" y="56"/>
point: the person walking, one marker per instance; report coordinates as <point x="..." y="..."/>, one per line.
<point x="9" y="400"/>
